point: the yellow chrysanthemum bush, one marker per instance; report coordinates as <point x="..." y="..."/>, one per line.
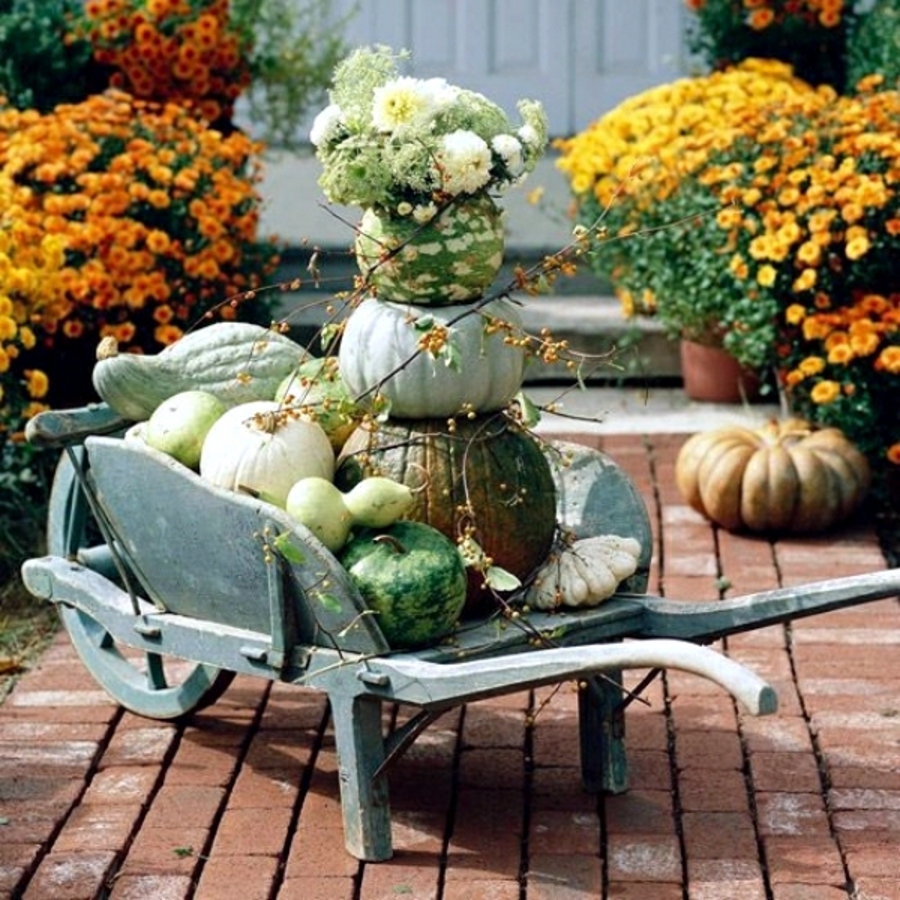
<point x="30" y="298"/>
<point x="635" y="173"/>
<point x="837" y="291"/>
<point x="783" y="225"/>
<point x="157" y="214"/>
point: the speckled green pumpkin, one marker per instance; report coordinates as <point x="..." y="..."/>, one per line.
<point x="451" y="259"/>
<point x="489" y="464"/>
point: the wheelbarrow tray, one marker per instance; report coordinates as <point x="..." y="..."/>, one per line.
<point x="232" y="584"/>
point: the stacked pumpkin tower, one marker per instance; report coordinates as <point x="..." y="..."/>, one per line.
<point x="425" y="344"/>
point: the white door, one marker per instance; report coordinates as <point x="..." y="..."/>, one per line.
<point x="578" y="57"/>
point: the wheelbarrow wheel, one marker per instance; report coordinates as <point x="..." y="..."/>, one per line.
<point x="148" y="684"/>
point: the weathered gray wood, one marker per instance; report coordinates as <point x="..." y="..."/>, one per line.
<point x="706" y="622"/>
<point x="601" y="731"/>
<point x="432" y="685"/>
<point x="61" y="427"/>
<point x="202" y="551"/>
<point x="364" y="793"/>
<point x="70" y="535"/>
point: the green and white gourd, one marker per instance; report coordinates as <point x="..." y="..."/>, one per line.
<point x="451" y="259"/>
<point x="235" y="361"/>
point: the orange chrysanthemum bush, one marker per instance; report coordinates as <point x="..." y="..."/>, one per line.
<point x="810" y="35"/>
<point x="157" y="213"/>
<point x="178" y="50"/>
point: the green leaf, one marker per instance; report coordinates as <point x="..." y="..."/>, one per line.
<point x="452" y="356"/>
<point x="528" y="410"/>
<point x="501" y="580"/>
<point x="285" y="545"/>
<point x="330" y="602"/>
<point x="328" y="334"/>
<point x="424" y="323"/>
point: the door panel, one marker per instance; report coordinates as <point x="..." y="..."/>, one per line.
<point x="578" y="57"/>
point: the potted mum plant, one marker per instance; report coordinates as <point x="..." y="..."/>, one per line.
<point x="638" y="172"/>
<point x="422" y="158"/>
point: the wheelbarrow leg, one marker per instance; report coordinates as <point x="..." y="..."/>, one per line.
<point x="601" y="720"/>
<point x="364" y="797"/>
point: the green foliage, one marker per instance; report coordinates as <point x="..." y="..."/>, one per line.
<point x="295" y="47"/>
<point x="811" y="39"/>
<point x="42" y="63"/>
<point x="874" y="47"/>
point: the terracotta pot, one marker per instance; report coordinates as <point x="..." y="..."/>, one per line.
<point x="711" y="374"/>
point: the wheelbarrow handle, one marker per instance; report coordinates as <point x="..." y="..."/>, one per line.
<point x="433" y="684"/>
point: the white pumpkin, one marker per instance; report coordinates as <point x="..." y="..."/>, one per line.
<point x="380" y="349"/>
<point x="584" y="573"/>
<point x="261" y="449"/>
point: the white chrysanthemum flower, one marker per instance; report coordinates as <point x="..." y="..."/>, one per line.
<point x="404" y="208"/>
<point x="401" y="103"/>
<point x="509" y="149"/>
<point x="424" y="212"/>
<point x="464" y="162"/>
<point x="441" y="92"/>
<point x="326" y="125"/>
<point x="529" y="136"/>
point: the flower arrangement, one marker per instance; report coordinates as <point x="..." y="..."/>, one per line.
<point x="633" y="175"/>
<point x="408" y="146"/>
<point x="157" y="213"/>
<point x="810" y="35"/>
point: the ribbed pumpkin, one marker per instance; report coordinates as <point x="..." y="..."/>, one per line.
<point x="787" y="476"/>
<point x="380" y="350"/>
<point x="488" y="465"/>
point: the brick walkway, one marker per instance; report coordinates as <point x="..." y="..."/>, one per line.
<point x="242" y="802"/>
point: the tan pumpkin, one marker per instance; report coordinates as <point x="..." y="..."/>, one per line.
<point x="787" y="476"/>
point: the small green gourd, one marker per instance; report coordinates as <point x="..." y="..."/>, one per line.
<point x="237" y="362"/>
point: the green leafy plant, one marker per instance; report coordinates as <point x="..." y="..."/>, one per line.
<point x="294" y="48"/>
<point x="810" y="35"/>
<point x="43" y="61"/>
<point x="874" y="47"/>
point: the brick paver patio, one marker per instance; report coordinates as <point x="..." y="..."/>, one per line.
<point x="242" y="801"/>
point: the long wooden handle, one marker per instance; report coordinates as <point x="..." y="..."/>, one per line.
<point x="431" y="684"/>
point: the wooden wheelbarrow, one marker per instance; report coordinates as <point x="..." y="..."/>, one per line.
<point x="168" y="587"/>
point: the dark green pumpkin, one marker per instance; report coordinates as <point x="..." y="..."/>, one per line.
<point x="413" y="579"/>
<point x="488" y="472"/>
